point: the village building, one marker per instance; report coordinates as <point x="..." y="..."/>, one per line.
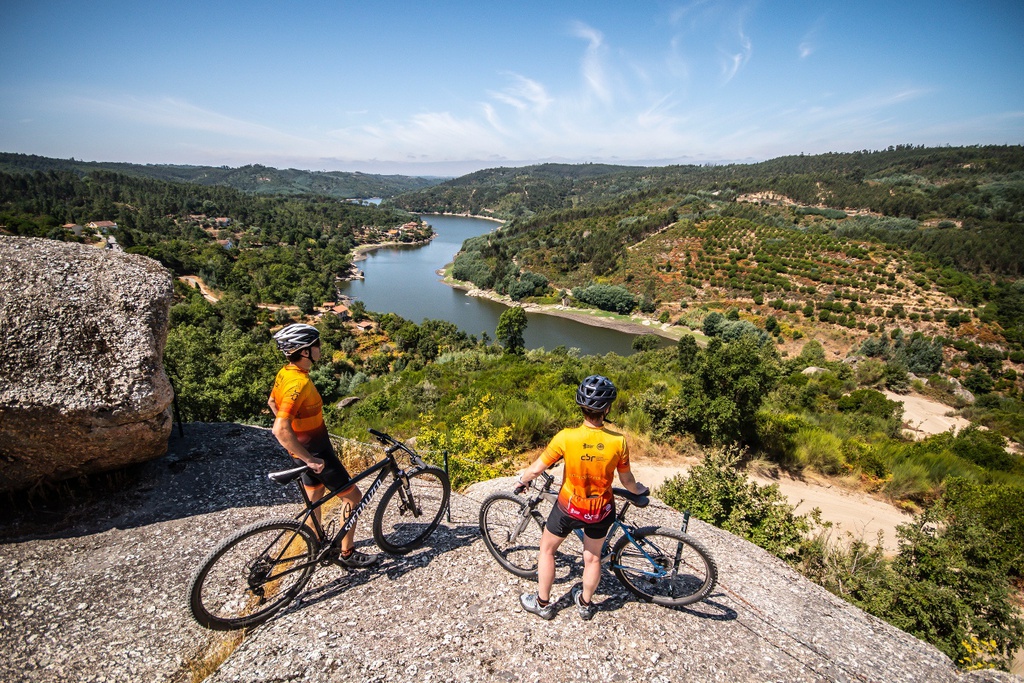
<point x="102" y="226"/>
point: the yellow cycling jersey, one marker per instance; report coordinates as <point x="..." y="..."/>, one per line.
<point x="299" y="401"/>
<point x="592" y="455"/>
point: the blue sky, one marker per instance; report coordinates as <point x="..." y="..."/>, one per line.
<point x="450" y="87"/>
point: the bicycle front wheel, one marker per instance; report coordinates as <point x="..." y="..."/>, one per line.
<point x="409" y="513"/>
<point x="252" y="574"/>
<point x="664" y="566"/>
<point x="511" y="533"/>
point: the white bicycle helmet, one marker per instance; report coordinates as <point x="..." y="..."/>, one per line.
<point x="596" y="393"/>
<point x="295" y="337"/>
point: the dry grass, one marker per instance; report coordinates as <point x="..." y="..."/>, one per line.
<point x="206" y="662"/>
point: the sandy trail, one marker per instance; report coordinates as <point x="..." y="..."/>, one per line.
<point x="923" y="417"/>
<point x="195" y="281"/>
<point x="851" y="512"/>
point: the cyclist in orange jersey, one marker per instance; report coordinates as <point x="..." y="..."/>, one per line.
<point x="299" y="427"/>
<point x="592" y="454"/>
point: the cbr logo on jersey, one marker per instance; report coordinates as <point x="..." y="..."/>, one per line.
<point x="583" y="516"/>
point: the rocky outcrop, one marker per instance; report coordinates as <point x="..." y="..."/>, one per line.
<point x="82" y="385"/>
<point x="105" y="600"/>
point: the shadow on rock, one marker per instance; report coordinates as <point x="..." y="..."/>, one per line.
<point x="389" y="567"/>
<point x="213" y="467"/>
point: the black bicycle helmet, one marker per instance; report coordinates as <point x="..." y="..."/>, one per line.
<point x="596" y="393"/>
<point x="295" y="337"/>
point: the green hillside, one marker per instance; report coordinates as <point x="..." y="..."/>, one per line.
<point x="253" y="178"/>
<point x="976" y="182"/>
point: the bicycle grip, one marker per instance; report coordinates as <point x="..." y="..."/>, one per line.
<point x="380" y="435"/>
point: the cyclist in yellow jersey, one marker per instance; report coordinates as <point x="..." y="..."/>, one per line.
<point x="299" y="427"/>
<point x="592" y="454"/>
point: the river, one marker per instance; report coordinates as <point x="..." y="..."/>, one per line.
<point x="404" y="280"/>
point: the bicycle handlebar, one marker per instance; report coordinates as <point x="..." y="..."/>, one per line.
<point x="394" y="445"/>
<point x="382" y="437"/>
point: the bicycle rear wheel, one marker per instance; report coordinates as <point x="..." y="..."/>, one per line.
<point x="407" y="515"/>
<point x="664" y="566"/>
<point x="511" y="533"/>
<point x="252" y="574"/>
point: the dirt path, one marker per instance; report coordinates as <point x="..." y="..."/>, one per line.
<point x="850" y="511"/>
<point x="923" y="417"/>
<point x="195" y="281"/>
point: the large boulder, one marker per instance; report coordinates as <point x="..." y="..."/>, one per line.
<point x="82" y="385"/>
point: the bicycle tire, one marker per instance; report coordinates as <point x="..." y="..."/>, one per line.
<point x="401" y="525"/>
<point x="511" y="533"/>
<point x="236" y="585"/>
<point x="664" y="566"/>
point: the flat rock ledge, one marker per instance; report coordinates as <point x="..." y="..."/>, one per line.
<point x="104" y="599"/>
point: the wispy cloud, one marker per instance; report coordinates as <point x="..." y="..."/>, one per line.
<point x="809" y="43"/>
<point x="689" y="12"/>
<point x="593" y="69"/>
<point x="734" y="61"/>
<point x="738" y="57"/>
<point x="524" y="93"/>
<point x="171" y="112"/>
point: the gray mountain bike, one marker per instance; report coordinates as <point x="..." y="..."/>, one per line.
<point x="657" y="564"/>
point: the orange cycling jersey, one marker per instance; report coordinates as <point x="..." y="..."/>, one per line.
<point x="592" y="455"/>
<point x="299" y="401"/>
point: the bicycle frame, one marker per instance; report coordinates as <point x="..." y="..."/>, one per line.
<point x="385" y="467"/>
<point x="620" y="523"/>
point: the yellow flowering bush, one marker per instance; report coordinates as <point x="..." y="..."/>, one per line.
<point x="477" y="449"/>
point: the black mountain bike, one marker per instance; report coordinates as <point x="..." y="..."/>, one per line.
<point x="261" y="568"/>
<point x="656" y="564"/>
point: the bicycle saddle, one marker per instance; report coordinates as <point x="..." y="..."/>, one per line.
<point x="639" y="501"/>
<point x="288" y="476"/>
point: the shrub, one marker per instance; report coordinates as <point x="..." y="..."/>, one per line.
<point x="820" y="451"/>
<point x="712" y="321"/>
<point x="607" y="298"/>
<point x="978" y="381"/>
<point x="646" y="342"/>
<point x="776" y="432"/>
<point x="870" y="372"/>
<point x="871" y="402"/>
<point x="896" y="378"/>
<point x="476" y="448"/>
<point x="717" y="493"/>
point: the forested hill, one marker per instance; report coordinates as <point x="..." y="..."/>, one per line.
<point x="902" y="181"/>
<point x="253" y="178"/>
<point x="508" y="192"/>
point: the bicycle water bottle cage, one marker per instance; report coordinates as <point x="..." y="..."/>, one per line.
<point x="639" y="501"/>
<point x="288" y="476"/>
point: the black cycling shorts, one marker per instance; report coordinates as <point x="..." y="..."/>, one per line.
<point x="561" y="524"/>
<point x="334" y="475"/>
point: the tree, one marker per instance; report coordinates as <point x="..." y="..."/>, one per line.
<point x="511" y="326"/>
<point x="305" y="302"/>
<point x="721" y="392"/>
<point x="686" y="350"/>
